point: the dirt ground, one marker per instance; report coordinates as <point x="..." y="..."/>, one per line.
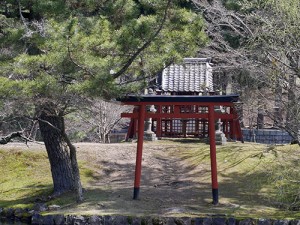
<point x="167" y="185"/>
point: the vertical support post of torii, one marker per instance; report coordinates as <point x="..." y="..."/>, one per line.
<point x="139" y="152"/>
<point x="158" y="123"/>
<point x="213" y="153"/>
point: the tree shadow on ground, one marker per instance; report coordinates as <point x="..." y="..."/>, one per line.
<point x="41" y="194"/>
<point x="169" y="187"/>
<point x="164" y="190"/>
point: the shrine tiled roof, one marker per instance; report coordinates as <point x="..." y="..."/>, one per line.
<point x="194" y="75"/>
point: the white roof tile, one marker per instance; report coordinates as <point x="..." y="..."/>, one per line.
<point x="193" y="76"/>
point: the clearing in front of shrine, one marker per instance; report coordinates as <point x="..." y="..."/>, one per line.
<point x="255" y="180"/>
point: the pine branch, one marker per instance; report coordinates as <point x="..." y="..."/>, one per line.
<point x="145" y="45"/>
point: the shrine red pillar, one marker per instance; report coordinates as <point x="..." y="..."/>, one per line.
<point x="158" y="123"/>
<point x="232" y="130"/>
<point x="139" y="153"/>
<point x="213" y="154"/>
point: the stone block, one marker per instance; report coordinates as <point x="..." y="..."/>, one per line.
<point x="59" y="219"/>
<point x="48" y="220"/>
<point x="69" y="219"/>
<point x="19" y="213"/>
<point x="108" y="220"/>
<point x="79" y="220"/>
<point x="197" y="221"/>
<point x="231" y="221"/>
<point x="95" y="220"/>
<point x="158" y="221"/>
<point x="220" y="138"/>
<point x="146" y="221"/>
<point x="207" y="221"/>
<point x="36" y="219"/>
<point x="264" y="222"/>
<point x="295" y="222"/>
<point x="219" y="221"/>
<point x="170" y="221"/>
<point x="124" y="220"/>
<point x="8" y="213"/>
<point x="136" y="221"/>
<point x="246" y="222"/>
<point x="180" y="221"/>
<point x="281" y="222"/>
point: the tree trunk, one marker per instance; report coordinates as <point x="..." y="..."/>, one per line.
<point x="260" y="110"/>
<point x="75" y="169"/>
<point x="51" y="127"/>
<point x="277" y="112"/>
<point x="292" y="108"/>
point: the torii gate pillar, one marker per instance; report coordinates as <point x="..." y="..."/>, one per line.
<point x="139" y="152"/>
<point x="213" y="154"/>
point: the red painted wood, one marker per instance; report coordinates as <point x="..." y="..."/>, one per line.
<point x="130" y="131"/>
<point x="176" y="109"/>
<point x="231" y="124"/>
<point x="212" y="143"/>
<point x="158" y="122"/>
<point x="139" y="153"/>
<point x="179" y="115"/>
<point x="226" y="128"/>
<point x="179" y="103"/>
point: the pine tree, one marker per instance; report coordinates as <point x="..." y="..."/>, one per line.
<point x="56" y="53"/>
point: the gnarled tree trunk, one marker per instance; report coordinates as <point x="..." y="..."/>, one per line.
<point x="61" y="154"/>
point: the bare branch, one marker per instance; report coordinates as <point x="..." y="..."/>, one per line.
<point x="50" y="124"/>
<point x="8" y="138"/>
<point x="11" y="136"/>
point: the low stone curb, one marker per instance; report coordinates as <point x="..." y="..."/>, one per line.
<point x="31" y="217"/>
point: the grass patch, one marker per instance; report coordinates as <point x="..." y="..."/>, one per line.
<point x="253" y="175"/>
<point x="25" y="178"/>
<point x="25" y="175"/>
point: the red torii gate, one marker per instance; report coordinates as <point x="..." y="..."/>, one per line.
<point x="200" y="107"/>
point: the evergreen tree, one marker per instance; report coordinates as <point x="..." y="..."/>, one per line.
<point x="54" y="53"/>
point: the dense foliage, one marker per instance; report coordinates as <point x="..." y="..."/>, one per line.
<point x="54" y="54"/>
<point x="71" y="47"/>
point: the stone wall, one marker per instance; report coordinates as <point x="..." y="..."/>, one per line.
<point x="266" y="136"/>
<point x="117" y="137"/>
<point x="36" y="219"/>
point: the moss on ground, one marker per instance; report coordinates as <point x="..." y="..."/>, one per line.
<point x="25" y="178"/>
